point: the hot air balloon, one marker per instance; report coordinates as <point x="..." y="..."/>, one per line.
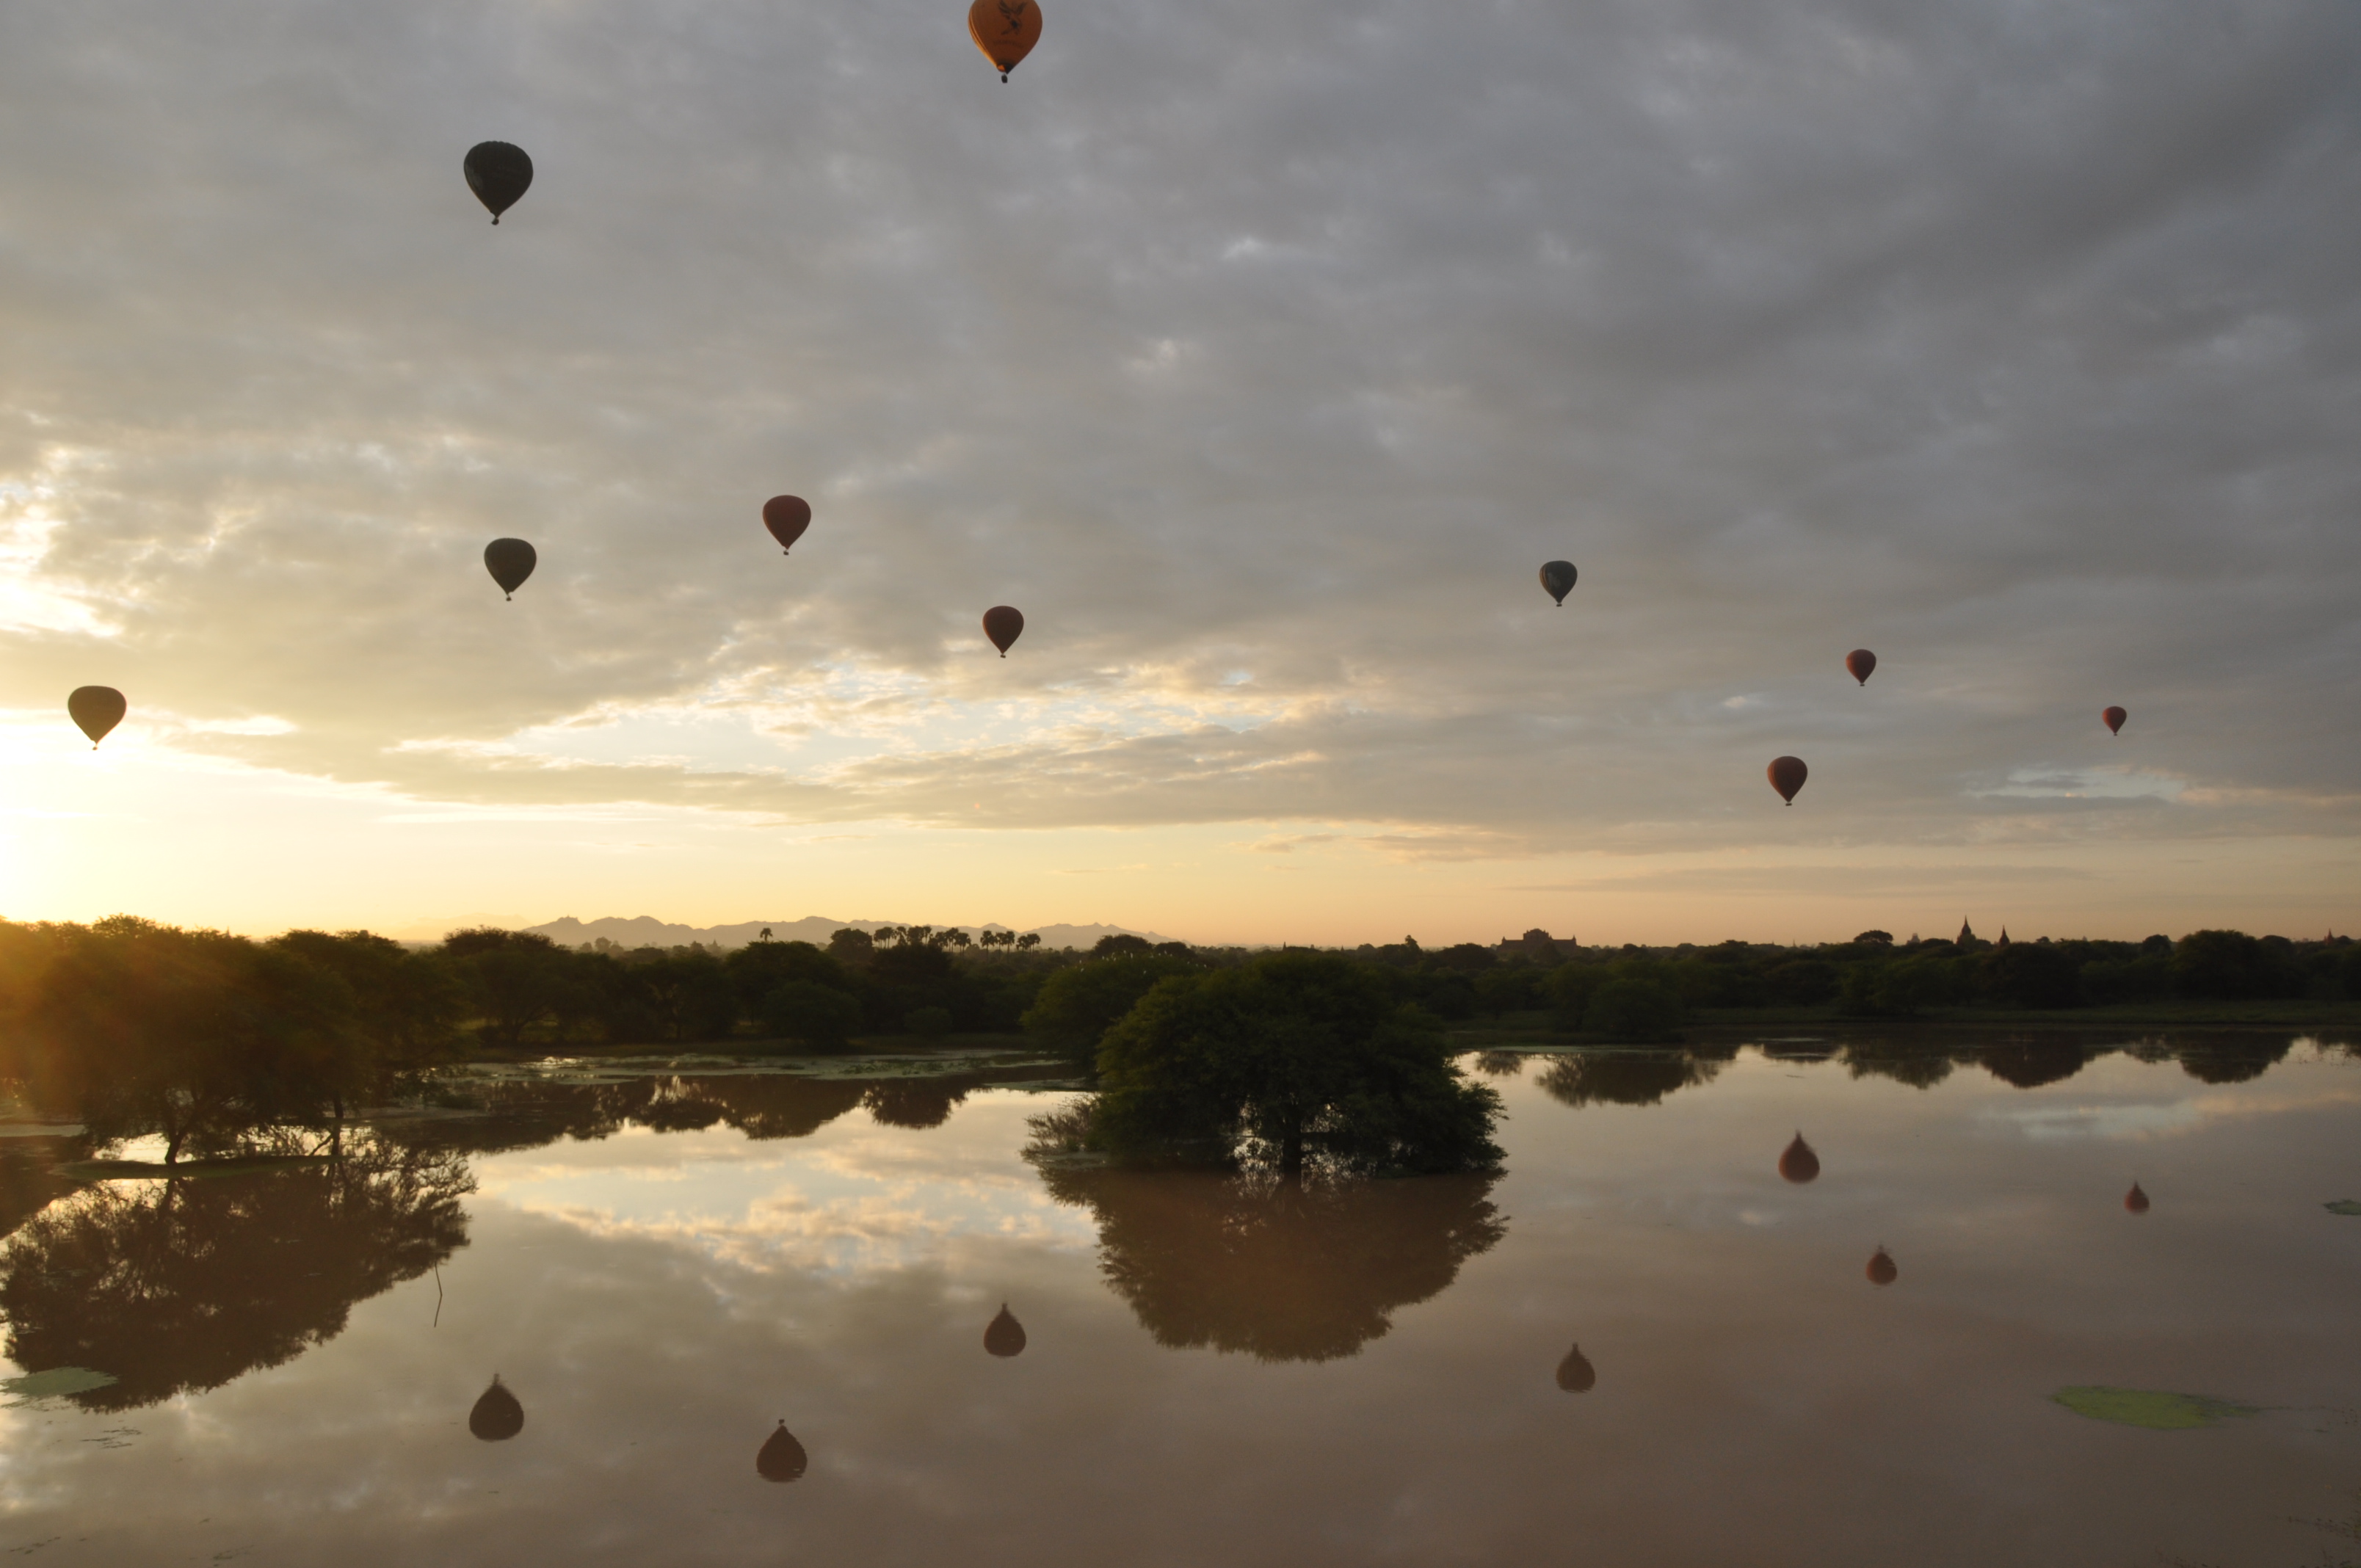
<point x="786" y="517"/>
<point x="1575" y="1374"/>
<point x="1798" y="1163"/>
<point x="2114" y="718"/>
<point x="1557" y="577"/>
<point x="1880" y="1269"/>
<point x="510" y="562"/>
<point x="1860" y="663"/>
<point x="1006" y="1336"/>
<point x="2136" y="1201"/>
<point x="1787" y="776"/>
<point x="498" y="174"/>
<point x="497" y="1416"/>
<point x="1005" y="31"/>
<point x="96" y="710"/>
<point x="781" y="1457"/>
<point x="1002" y="624"/>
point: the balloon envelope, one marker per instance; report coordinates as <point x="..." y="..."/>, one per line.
<point x="786" y="517"/>
<point x="1005" y="31"/>
<point x="1787" y="776"/>
<point x="497" y="174"/>
<point x="781" y="1457"/>
<point x="510" y="562"/>
<point x="2136" y="1201"/>
<point x="497" y="1416"/>
<point x="1575" y="1374"/>
<point x="1798" y="1163"/>
<point x="1002" y="624"/>
<point x="1007" y="1335"/>
<point x="2114" y="718"/>
<point x="96" y="710"/>
<point x="1882" y="1270"/>
<point x="1557" y="579"/>
<point x="1860" y="663"/>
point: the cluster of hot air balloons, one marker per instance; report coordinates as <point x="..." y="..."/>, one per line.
<point x="498" y="1416"/>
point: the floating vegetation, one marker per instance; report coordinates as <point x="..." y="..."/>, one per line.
<point x="2151" y="1409"/>
<point x="57" y="1383"/>
<point x="2344" y="1206"/>
<point x="185" y="1170"/>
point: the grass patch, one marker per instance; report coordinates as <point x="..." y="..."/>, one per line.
<point x="2344" y="1206"/>
<point x="55" y="1384"/>
<point x="2150" y="1409"/>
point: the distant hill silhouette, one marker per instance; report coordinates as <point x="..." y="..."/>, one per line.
<point x="646" y="931"/>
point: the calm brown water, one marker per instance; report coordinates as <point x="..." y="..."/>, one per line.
<point x="1219" y="1373"/>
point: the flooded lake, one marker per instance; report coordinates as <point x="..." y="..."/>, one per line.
<point x="1638" y="1344"/>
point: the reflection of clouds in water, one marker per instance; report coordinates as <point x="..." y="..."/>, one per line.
<point x="2156" y="1118"/>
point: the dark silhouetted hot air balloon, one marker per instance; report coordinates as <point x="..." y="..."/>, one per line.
<point x="1002" y="624"/>
<point x="781" y="1457"/>
<point x="2136" y="1201"/>
<point x="96" y="710"/>
<point x="1880" y="1269"/>
<point x="1575" y="1374"/>
<point x="1798" y="1163"/>
<point x="1557" y="577"/>
<point x="497" y="1416"/>
<point x="1787" y="776"/>
<point x="498" y="174"/>
<point x="2114" y="718"/>
<point x="510" y="562"/>
<point x="1005" y="31"/>
<point x="1006" y="1336"/>
<point x="786" y="517"/>
<point x="1860" y="663"/>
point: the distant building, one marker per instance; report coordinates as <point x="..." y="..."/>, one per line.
<point x="1967" y="937"/>
<point x="1538" y="944"/>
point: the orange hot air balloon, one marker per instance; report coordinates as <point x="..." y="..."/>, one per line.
<point x="1882" y="1270"/>
<point x="1860" y="663"/>
<point x="1005" y="31"/>
<point x="1003" y="624"/>
<point x="781" y="1457"/>
<point x="2114" y="718"/>
<point x="1575" y="1374"/>
<point x="1004" y="1336"/>
<point x="2136" y="1201"/>
<point x="786" y="517"/>
<point x="95" y="710"/>
<point x="1787" y="776"/>
<point x="1798" y="1163"/>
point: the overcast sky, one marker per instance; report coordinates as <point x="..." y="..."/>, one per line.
<point x="1260" y="354"/>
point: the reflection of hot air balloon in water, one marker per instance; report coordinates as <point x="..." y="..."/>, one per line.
<point x="2136" y="1201"/>
<point x="1798" y="1163"/>
<point x="1005" y="31"/>
<point x="786" y="517"/>
<point x="497" y="1416"/>
<point x="1575" y="1374"/>
<point x="1557" y="577"/>
<point x="510" y="562"/>
<point x="498" y="174"/>
<point x="1860" y="663"/>
<point x="1006" y="1336"/>
<point x="1880" y="1269"/>
<point x="1002" y="625"/>
<point x="781" y="1457"/>
<point x="95" y="710"/>
<point x="1787" y="775"/>
<point x="2114" y="718"/>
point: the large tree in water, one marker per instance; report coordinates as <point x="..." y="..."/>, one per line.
<point x="1293" y="1059"/>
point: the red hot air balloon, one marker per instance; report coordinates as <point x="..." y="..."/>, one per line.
<point x="1787" y="776"/>
<point x="1004" y="1336"/>
<point x="2114" y="718"/>
<point x="2136" y="1201"/>
<point x="781" y="1457"/>
<point x="786" y="517"/>
<point x="1798" y="1163"/>
<point x="1880" y="1269"/>
<point x="95" y="710"/>
<point x="1860" y="663"/>
<point x="1002" y="624"/>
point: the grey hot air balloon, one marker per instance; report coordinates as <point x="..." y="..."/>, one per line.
<point x="498" y="174"/>
<point x="497" y="1416"/>
<point x="510" y="562"/>
<point x="95" y="710"/>
<point x="1557" y="576"/>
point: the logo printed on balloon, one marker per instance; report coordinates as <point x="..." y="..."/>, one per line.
<point x="1005" y="31"/>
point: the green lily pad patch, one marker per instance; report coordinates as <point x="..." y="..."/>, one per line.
<point x="2151" y="1409"/>
<point x="2348" y="1206"/>
<point x="54" y="1384"/>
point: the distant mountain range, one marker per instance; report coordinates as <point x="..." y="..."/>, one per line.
<point x="646" y="931"/>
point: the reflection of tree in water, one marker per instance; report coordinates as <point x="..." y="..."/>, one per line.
<point x="2029" y="1064"/>
<point x="1920" y="1065"/>
<point x="2232" y="1061"/>
<point x="1625" y="1078"/>
<point x="179" y="1286"/>
<point x="1501" y="1064"/>
<point x="1278" y="1269"/>
<point x="914" y="1101"/>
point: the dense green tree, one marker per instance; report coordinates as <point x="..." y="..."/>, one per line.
<point x="817" y="1017"/>
<point x="1076" y="1006"/>
<point x="1632" y="1006"/>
